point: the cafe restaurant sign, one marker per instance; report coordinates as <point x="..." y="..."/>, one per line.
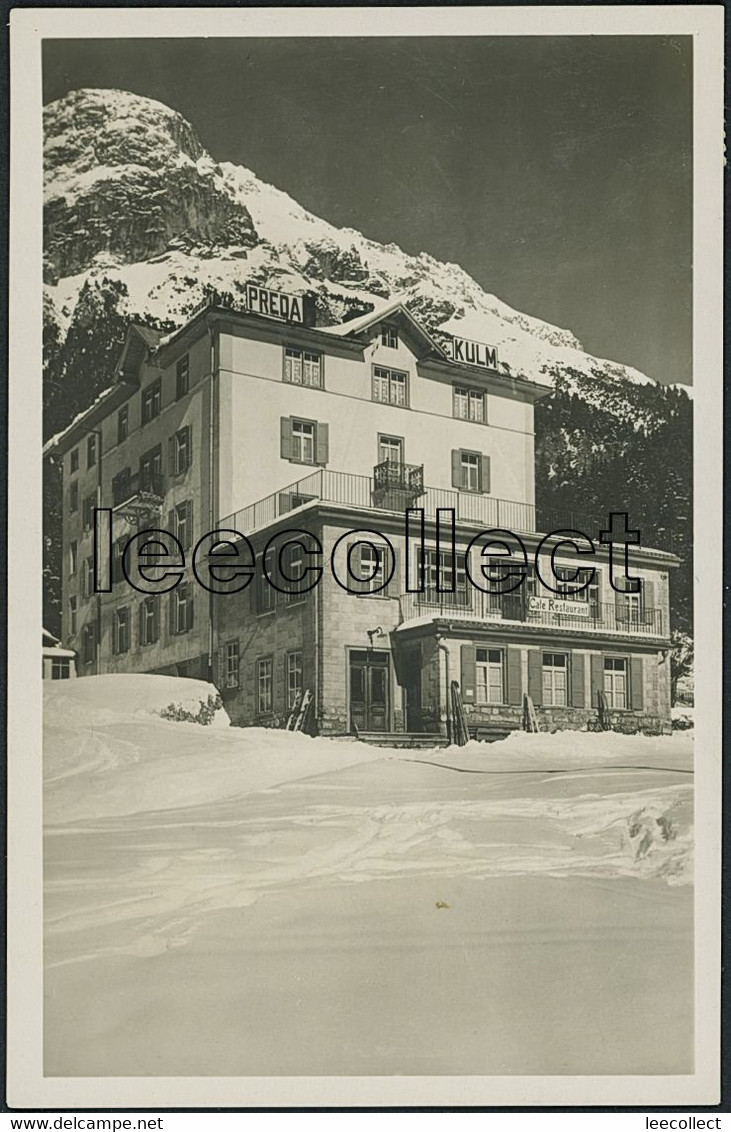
<point x="275" y="304"/>
<point x="558" y="605"/>
<point x="474" y="353"/>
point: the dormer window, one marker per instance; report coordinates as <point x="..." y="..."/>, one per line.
<point x="389" y="337"/>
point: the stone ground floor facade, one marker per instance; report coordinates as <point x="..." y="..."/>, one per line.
<point x="369" y="669"/>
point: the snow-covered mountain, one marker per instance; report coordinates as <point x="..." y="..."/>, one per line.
<point x="132" y="197"/>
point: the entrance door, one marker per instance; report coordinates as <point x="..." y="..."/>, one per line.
<point x="369" y="690"/>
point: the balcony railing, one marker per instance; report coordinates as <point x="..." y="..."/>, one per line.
<point x="391" y="475"/>
<point x="362" y="492"/>
<point x="471" y="604"/>
<point x="125" y="488"/>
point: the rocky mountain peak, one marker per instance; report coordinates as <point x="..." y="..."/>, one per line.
<point x="126" y="179"/>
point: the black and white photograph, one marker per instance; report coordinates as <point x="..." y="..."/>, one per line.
<point x="367" y="584"/>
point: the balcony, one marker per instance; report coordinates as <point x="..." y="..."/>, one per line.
<point x="397" y="486"/>
<point x="374" y="493"/>
<point x="139" y="495"/>
<point x="471" y="604"/>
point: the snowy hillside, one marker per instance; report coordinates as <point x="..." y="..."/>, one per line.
<point x="131" y="196"/>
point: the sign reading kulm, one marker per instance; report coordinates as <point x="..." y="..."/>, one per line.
<point x="474" y="353"/>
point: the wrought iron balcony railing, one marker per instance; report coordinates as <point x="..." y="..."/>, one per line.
<point x="393" y="476"/>
<point x="127" y="487"/>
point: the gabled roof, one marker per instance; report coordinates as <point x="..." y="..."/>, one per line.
<point x="138" y="341"/>
<point x="393" y="311"/>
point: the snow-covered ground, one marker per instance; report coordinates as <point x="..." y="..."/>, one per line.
<point x="239" y="901"/>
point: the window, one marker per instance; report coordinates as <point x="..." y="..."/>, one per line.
<point x="151" y="402"/>
<point x="122" y="424"/>
<point x="468" y="404"/>
<point x="151" y="471"/>
<point x="264" y="685"/>
<point x="180" y="451"/>
<point x="438" y="571"/>
<point x="630" y="607"/>
<point x="91" y="450"/>
<point x="88" y="645"/>
<point x="265" y="593"/>
<point x="73" y="606"/>
<point x="389" y="337"/>
<point x="303" y="441"/>
<point x="74" y="460"/>
<point x="182" y="524"/>
<point x="489" y="676"/>
<point x="368" y="563"/>
<point x="231" y="675"/>
<point x="182" y="377"/>
<point x="88" y="511"/>
<point x="121" y="640"/>
<point x="181" y="609"/>
<point x="615" y="681"/>
<point x="121" y="486"/>
<point x="117" y="557"/>
<point x="389" y="386"/>
<point x="60" y="668"/>
<point x="390" y="449"/>
<point x="303" y="367"/>
<point x="88" y="584"/>
<point x="555" y="667"/>
<point x="74" y="497"/>
<point x="149" y="620"/>
<point x="469" y="471"/>
<point x="294" y="677"/>
<point x="73" y="556"/>
<point x="293" y="567"/>
<point x="565" y="574"/>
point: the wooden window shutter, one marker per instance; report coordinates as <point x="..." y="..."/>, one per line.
<point x="620" y="606"/>
<point x="191" y="537"/>
<point x="456" y="467"/>
<point x="648" y="603"/>
<point x="636" y="683"/>
<point x="535" y="676"/>
<point x="286" y="438"/>
<point x="468" y="657"/>
<point x="322" y="444"/>
<point x="576" y="674"/>
<point x="141" y="623"/>
<point x="189" y="430"/>
<point x="171" y="456"/>
<point x="597" y="678"/>
<point x="485" y="474"/>
<point x="515" y="682"/>
<point x="171" y="613"/>
<point x="189" y="609"/>
<point x="221" y="666"/>
<point x="171" y="521"/>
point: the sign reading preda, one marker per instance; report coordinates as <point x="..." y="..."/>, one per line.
<point x="474" y="353"/>
<point x="275" y="304"/>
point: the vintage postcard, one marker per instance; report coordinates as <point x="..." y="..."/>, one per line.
<point x="365" y="496"/>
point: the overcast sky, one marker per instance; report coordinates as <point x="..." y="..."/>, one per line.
<point x="556" y="171"/>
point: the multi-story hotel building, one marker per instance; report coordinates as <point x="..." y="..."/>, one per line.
<point x="259" y="423"/>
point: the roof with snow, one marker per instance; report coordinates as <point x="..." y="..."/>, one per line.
<point x="394" y="311"/>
